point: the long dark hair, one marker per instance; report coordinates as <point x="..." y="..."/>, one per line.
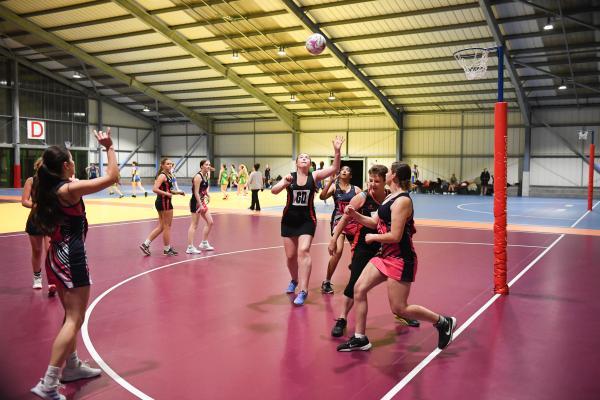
<point x="45" y="212"/>
<point x="403" y="172"/>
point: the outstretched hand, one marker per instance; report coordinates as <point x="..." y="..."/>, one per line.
<point x="337" y="143"/>
<point x="104" y="138"/>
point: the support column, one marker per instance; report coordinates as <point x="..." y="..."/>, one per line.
<point x="16" y="126"/>
<point x="524" y="188"/>
<point x="400" y="138"/>
<point x="295" y="144"/>
<point x="157" y="146"/>
<point x="100" y="128"/>
<point x="462" y="146"/>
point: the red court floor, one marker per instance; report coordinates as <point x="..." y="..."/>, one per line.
<point x="221" y="327"/>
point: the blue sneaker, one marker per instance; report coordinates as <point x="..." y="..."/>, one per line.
<point x="301" y="298"/>
<point x="291" y="287"/>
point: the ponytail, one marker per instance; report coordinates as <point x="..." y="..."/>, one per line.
<point x="402" y="172"/>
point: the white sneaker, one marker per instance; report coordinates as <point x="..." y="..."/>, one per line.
<point x="37" y="282"/>
<point x="192" y="250"/>
<point x="47" y="392"/>
<point x="205" y="246"/>
<point x="82" y="371"/>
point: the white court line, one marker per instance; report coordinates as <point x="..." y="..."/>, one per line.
<point x="409" y="377"/>
<point x="460" y="207"/>
<point x="476" y="243"/>
<point x="114" y="375"/>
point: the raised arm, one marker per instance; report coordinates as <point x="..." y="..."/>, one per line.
<point x="78" y="188"/>
<point x="282" y="184"/>
<point x="333" y="168"/>
<point x="328" y="190"/>
<point x="26" y="195"/>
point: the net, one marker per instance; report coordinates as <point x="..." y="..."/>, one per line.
<point x="474" y="61"/>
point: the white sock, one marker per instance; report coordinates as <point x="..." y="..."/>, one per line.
<point x="167" y="247"/>
<point x="147" y="242"/>
<point x="205" y="242"/>
<point x="73" y="360"/>
<point x="327" y="280"/>
<point x="52" y="376"/>
<point x="359" y="335"/>
<point x="190" y="246"/>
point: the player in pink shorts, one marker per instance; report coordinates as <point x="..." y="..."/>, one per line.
<point x="395" y="263"/>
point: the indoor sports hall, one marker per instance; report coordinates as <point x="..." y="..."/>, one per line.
<point x="172" y="113"/>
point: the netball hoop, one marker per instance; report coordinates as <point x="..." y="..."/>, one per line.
<point x="474" y="61"/>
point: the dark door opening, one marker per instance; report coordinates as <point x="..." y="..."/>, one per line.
<point x="357" y="167"/>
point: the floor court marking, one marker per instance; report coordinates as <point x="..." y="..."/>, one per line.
<point x="461" y="207"/>
<point x="409" y="377"/>
<point x="125" y="384"/>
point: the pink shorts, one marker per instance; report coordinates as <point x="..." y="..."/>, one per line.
<point x="396" y="268"/>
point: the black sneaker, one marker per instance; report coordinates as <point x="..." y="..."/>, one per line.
<point x="326" y="287"/>
<point x="170" y="252"/>
<point x="145" y="249"/>
<point x="145" y="194"/>
<point x="133" y="195"/>
<point x="355" y="344"/>
<point x="340" y="326"/>
<point x="413" y="323"/>
<point x="446" y="331"/>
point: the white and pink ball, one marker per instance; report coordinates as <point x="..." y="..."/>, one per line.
<point x="315" y="44"/>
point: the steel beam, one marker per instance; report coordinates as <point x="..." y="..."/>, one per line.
<point x="73" y="85"/>
<point x="5" y="13"/>
<point x="132" y="153"/>
<point x="390" y="108"/>
<point x="486" y="9"/>
<point x="179" y="40"/>
<point x="188" y="153"/>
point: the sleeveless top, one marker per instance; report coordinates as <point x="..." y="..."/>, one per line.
<point x="202" y="191"/>
<point x="368" y="209"/>
<point x="403" y="249"/>
<point x="340" y="200"/>
<point x="300" y="205"/>
<point x="67" y="241"/>
<point x="167" y="185"/>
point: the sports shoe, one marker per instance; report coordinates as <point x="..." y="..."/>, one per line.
<point x="326" y="287"/>
<point x="121" y="196"/>
<point x="133" y="195"/>
<point x="145" y="194"/>
<point x="192" y="250"/>
<point x="37" y="282"/>
<point x="340" y="326"/>
<point x="301" y="298"/>
<point x="355" y="344"/>
<point x="81" y="371"/>
<point x="446" y="331"/>
<point x="47" y="392"/>
<point x="170" y="252"/>
<point x="145" y="249"/>
<point x="413" y="323"/>
<point x="205" y="246"/>
<point x="51" y="290"/>
<point x="292" y="287"/>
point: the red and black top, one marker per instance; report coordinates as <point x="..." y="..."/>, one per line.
<point x="404" y="249"/>
<point x="162" y="202"/>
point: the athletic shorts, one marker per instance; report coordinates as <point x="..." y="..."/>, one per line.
<point x="360" y="259"/>
<point x="136" y="178"/>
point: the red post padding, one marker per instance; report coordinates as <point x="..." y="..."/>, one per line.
<point x="591" y="177"/>
<point x="17" y="175"/>
<point x="500" y="144"/>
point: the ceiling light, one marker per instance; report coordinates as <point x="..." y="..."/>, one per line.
<point x="77" y="75"/>
<point x="331" y="96"/>
<point x="549" y="25"/>
<point x="293" y="98"/>
<point x="235" y="55"/>
<point x="563" y="85"/>
<point x="281" y="51"/>
<point x="146" y="109"/>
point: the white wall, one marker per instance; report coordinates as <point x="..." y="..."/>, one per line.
<point x="176" y="139"/>
<point x="552" y="162"/>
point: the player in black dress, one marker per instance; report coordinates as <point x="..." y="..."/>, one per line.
<point x="299" y="221"/>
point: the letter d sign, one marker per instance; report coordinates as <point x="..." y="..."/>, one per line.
<point x="36" y="130"/>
